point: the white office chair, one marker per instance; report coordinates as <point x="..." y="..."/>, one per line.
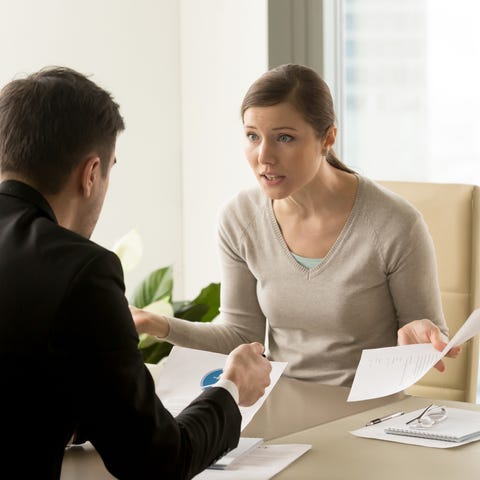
<point x="451" y="212"/>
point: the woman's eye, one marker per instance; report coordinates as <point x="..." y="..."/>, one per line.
<point x="252" y="137"/>
<point x="285" y="138"/>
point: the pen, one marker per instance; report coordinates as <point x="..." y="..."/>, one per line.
<point x="382" y="419"/>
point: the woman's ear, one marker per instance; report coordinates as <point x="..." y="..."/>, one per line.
<point x="330" y="136"/>
<point x="89" y="174"/>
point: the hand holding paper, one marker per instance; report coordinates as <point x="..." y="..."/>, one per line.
<point x="383" y="371"/>
<point x="425" y="331"/>
<point x="187" y="372"/>
<point x="249" y="370"/>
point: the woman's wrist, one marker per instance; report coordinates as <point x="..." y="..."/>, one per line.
<point x="160" y="326"/>
<point x="150" y="322"/>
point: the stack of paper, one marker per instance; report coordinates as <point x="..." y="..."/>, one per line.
<point x="262" y="463"/>
<point x="245" y="446"/>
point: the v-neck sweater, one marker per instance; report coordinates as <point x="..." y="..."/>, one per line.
<point x="380" y="274"/>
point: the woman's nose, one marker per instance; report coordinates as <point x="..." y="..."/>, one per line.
<point x="266" y="154"/>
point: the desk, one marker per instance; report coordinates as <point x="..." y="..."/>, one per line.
<point x="296" y="406"/>
<point x="338" y="455"/>
<point x="292" y="406"/>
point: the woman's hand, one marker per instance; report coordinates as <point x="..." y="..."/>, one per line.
<point x="425" y="331"/>
<point x="148" y="322"/>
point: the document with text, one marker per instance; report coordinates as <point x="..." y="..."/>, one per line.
<point x="262" y="463"/>
<point x="384" y="371"/>
<point x="187" y="372"/>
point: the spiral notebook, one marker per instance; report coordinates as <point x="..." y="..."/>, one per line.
<point x="459" y="426"/>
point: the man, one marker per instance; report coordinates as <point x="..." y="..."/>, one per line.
<point x="68" y="345"/>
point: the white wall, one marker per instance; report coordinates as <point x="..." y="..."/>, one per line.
<point x="179" y="70"/>
<point x="223" y="50"/>
<point x="131" y="47"/>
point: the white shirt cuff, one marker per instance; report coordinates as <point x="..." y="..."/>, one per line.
<point x="230" y="387"/>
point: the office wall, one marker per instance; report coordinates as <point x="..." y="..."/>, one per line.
<point x="130" y="47"/>
<point x="179" y="70"/>
<point x="223" y="49"/>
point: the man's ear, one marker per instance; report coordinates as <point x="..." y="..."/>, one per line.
<point x="90" y="171"/>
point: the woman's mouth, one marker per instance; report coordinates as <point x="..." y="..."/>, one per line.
<point x="271" y="179"/>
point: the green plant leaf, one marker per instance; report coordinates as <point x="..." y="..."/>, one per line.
<point x="190" y="311"/>
<point x="204" y="308"/>
<point x="157" y="286"/>
<point x="155" y="293"/>
<point x="155" y="352"/>
<point x="209" y="296"/>
<point x="146" y="340"/>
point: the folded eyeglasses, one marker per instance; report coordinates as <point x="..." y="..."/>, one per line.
<point x="432" y="415"/>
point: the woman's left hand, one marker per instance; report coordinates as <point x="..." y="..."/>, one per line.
<point x="425" y="331"/>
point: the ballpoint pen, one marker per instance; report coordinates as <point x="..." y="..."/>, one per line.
<point x="382" y="419"/>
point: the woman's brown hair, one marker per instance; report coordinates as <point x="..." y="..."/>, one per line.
<point x="305" y="90"/>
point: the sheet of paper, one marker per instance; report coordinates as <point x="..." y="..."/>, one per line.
<point x="262" y="463"/>
<point x="383" y="371"/>
<point x="187" y="372"/>
<point x="378" y="432"/>
<point x="244" y="447"/>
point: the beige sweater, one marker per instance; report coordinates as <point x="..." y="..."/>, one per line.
<point x="380" y="274"/>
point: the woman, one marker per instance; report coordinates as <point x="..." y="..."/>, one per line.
<point x="319" y="260"/>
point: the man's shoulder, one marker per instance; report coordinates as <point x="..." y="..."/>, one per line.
<point x="60" y="236"/>
<point x="74" y="250"/>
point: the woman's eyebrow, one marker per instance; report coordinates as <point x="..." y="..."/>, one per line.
<point x="276" y="128"/>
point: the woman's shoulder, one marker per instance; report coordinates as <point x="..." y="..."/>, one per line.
<point x="384" y="205"/>
<point x="244" y="206"/>
<point x="395" y="225"/>
<point x="240" y="214"/>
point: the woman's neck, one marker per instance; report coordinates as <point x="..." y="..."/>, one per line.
<point x="332" y="190"/>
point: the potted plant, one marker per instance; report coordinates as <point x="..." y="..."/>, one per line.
<point x="154" y="294"/>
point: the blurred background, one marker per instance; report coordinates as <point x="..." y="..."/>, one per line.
<point x="404" y="76"/>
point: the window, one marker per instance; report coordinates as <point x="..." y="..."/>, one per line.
<point x="409" y="96"/>
<point x="411" y="99"/>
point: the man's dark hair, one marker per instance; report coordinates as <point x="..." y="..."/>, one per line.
<point x="50" y="120"/>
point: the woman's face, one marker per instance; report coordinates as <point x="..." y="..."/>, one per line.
<point x="283" y="150"/>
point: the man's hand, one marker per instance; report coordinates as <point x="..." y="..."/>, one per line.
<point x="249" y="370"/>
<point x="425" y="331"/>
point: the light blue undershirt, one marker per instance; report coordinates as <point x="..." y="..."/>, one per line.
<point x="307" y="262"/>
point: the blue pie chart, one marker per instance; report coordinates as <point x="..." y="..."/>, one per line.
<point x="211" y="378"/>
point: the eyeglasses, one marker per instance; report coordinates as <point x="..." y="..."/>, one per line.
<point x="432" y="415"/>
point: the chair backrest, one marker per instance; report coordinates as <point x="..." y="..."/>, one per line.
<point x="452" y="215"/>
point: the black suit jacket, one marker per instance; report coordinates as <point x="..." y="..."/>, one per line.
<point x="70" y="362"/>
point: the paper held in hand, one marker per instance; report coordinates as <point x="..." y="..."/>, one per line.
<point x="187" y="372"/>
<point x="384" y="371"/>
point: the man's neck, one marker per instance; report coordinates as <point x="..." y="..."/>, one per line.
<point x="62" y="203"/>
<point x="20" y="178"/>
